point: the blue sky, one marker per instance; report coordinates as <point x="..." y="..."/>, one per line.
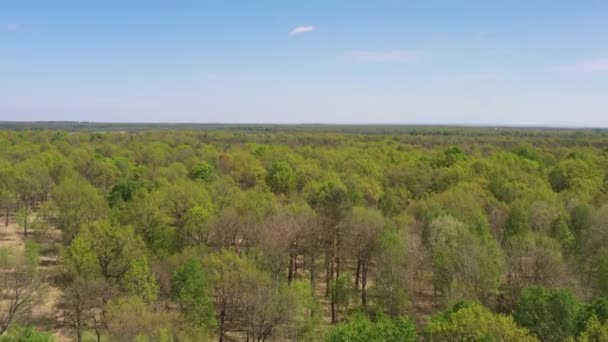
<point x="530" y="62"/>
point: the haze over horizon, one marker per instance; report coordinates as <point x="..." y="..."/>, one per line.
<point x="385" y="62"/>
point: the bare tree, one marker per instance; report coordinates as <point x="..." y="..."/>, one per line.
<point x="82" y="305"/>
<point x="20" y="289"/>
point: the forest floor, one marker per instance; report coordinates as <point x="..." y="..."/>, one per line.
<point x="45" y="315"/>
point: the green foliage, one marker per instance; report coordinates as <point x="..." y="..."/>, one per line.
<point x="359" y="328"/>
<point x="548" y="313"/>
<point x="245" y="169"/>
<point x="79" y="258"/>
<point x="580" y="222"/>
<point x="183" y="233"/>
<point x="189" y="285"/>
<point x="243" y="292"/>
<point x="340" y="290"/>
<point x="595" y="251"/>
<point x="473" y="322"/>
<point x="393" y="201"/>
<point x="105" y="249"/>
<point x="281" y="177"/>
<point x="471" y="273"/>
<point x="78" y="203"/>
<point x="22" y="218"/>
<point x="140" y="281"/>
<point x="597" y="309"/>
<point x="331" y="198"/>
<point x="579" y="176"/>
<point x="152" y="224"/>
<point x="308" y="316"/>
<point x="503" y="189"/>
<point x="176" y="201"/>
<point x="517" y="224"/>
<point x="528" y="152"/>
<point x="131" y="319"/>
<point x="449" y="157"/>
<point x="124" y="192"/>
<point x="390" y="289"/>
<point x="594" y="331"/>
<point x="32" y="254"/>
<point x="204" y="172"/>
<point x="25" y="334"/>
<point x="561" y="232"/>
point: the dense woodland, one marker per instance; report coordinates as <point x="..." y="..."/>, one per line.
<point x="303" y="233"/>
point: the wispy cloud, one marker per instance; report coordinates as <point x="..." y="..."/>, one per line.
<point x="12" y="27"/>
<point x="394" y="56"/>
<point x="301" y="29"/>
<point x="587" y="66"/>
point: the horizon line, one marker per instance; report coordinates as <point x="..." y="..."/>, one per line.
<point x="354" y="124"/>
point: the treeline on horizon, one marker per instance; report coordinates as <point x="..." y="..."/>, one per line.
<point x="347" y="233"/>
<point x="415" y="129"/>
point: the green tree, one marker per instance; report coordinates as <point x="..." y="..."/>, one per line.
<point x="124" y="191"/>
<point x="359" y="328"/>
<point x="517" y="224"/>
<point x="32" y="185"/>
<point x="139" y="280"/>
<point x="472" y="322"/>
<point x="25" y="334"/>
<point x="578" y="176"/>
<point x="598" y="308"/>
<point x="595" y="331"/>
<point x="143" y="213"/>
<point x="580" y="222"/>
<point x="464" y="265"/>
<point x="131" y="319"/>
<point x="595" y="251"/>
<point x="281" y="177"/>
<point x="177" y="200"/>
<point x="363" y="228"/>
<point x="332" y="201"/>
<point x="189" y="285"/>
<point x="245" y="298"/>
<point x="548" y="313"/>
<point x="392" y="276"/>
<point x="203" y="171"/>
<point x="76" y="203"/>
<point x="105" y="248"/>
<point x="8" y="197"/>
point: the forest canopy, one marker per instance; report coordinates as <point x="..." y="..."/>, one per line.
<point x="315" y="233"/>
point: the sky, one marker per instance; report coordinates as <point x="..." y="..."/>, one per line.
<point x="517" y="62"/>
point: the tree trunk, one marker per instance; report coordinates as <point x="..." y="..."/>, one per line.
<point x="25" y="220"/>
<point x="329" y="272"/>
<point x="333" y="308"/>
<point x="222" y="322"/>
<point x="7" y="216"/>
<point x="78" y="326"/>
<point x="291" y="269"/>
<point x="312" y="274"/>
<point x="364" y="285"/>
<point x="337" y="255"/>
<point x="357" y="274"/>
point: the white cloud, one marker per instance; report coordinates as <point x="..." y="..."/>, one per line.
<point x="12" y="27"/>
<point x="301" y="29"/>
<point x="590" y="65"/>
<point x="395" y="56"/>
